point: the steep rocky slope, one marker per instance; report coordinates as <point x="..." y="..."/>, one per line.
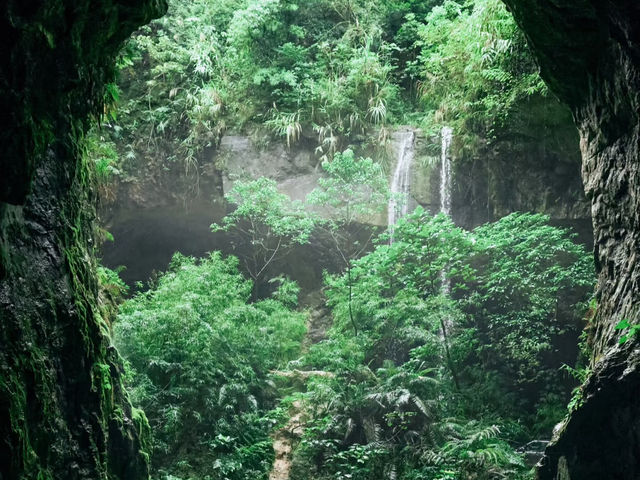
<point x="533" y="165"/>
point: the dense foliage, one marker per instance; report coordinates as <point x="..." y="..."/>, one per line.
<point x="474" y="67"/>
<point x="336" y="70"/>
<point x="456" y="359"/>
<point x="199" y="372"/>
<point x="446" y="346"/>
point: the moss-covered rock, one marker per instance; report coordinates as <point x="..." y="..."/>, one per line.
<point x="63" y="412"/>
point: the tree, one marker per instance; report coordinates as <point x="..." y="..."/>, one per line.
<point x="349" y="199"/>
<point x="266" y="224"/>
<point x="197" y="371"/>
<point x="397" y="295"/>
<point x="533" y="285"/>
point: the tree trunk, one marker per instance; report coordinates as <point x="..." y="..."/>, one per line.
<point x="351" y="317"/>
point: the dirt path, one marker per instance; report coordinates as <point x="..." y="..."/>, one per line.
<point x="319" y="319"/>
<point x="283" y="443"/>
<point x="285" y="438"/>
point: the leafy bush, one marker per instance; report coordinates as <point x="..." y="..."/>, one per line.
<point x="197" y="370"/>
<point x="532" y="289"/>
<point x="474" y="67"/>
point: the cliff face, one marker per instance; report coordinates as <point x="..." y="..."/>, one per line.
<point x="63" y="412"/>
<point x="589" y="54"/>
<point x="533" y="165"/>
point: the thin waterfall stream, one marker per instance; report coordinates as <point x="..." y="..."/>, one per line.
<point x="401" y="182"/>
<point x="446" y="136"/>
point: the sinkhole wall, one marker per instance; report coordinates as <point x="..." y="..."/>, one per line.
<point x="589" y="55"/>
<point x="63" y="411"/>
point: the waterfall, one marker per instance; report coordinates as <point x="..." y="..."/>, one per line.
<point x="445" y="171"/>
<point x="446" y="323"/>
<point x="399" y="201"/>
<point x="446" y="136"/>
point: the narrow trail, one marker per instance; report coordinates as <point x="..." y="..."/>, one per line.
<point x="283" y="441"/>
<point x="285" y="438"/>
